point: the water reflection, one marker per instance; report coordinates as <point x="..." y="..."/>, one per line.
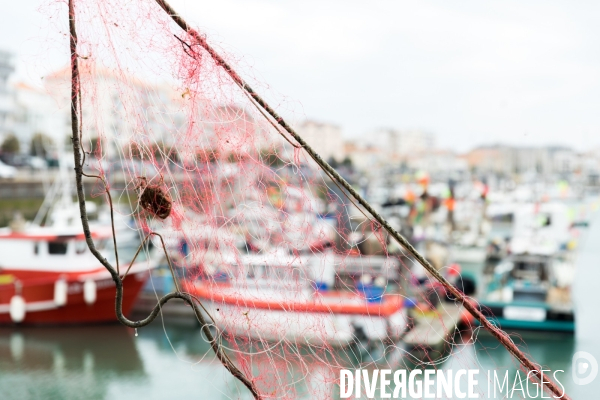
<point x="283" y="371"/>
<point x="109" y="362"/>
<point x="551" y="350"/>
<point x="74" y="362"/>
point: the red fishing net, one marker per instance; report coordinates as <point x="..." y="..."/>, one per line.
<point x="297" y="280"/>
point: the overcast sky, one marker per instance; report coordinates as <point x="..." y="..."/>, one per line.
<point x="471" y="72"/>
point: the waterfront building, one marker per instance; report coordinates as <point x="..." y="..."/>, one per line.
<point x="6" y="104"/>
<point x="398" y="145"/>
<point x="326" y="139"/>
<point x="509" y="160"/>
<point x="34" y="114"/>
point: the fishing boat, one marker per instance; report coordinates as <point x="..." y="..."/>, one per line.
<point x="531" y="288"/>
<point x="49" y="276"/>
<point x="296" y="298"/>
<point x="533" y="292"/>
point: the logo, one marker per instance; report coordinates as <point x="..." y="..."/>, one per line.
<point x="585" y="368"/>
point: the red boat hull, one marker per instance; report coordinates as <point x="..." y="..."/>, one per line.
<point x="41" y="309"/>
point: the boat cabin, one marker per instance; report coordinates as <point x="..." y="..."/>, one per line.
<point x="526" y="278"/>
<point x="42" y="249"/>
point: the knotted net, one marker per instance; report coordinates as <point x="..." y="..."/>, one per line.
<point x="292" y="275"/>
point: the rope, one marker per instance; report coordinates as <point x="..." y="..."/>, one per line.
<point x="189" y="299"/>
<point x="471" y="306"/>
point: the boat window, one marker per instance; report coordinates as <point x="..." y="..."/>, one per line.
<point x="267" y="272"/>
<point x="296" y="274"/>
<point x="284" y="273"/>
<point x="530" y="270"/>
<point x="127" y="251"/>
<point x="278" y="273"/>
<point x="101" y="244"/>
<point x="80" y="246"/>
<point x="509" y="218"/>
<point x="36" y="248"/>
<point x="57" y="248"/>
<point x="529" y="266"/>
<point x="254" y="271"/>
<point x="234" y="271"/>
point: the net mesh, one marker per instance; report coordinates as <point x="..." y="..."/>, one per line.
<point x="297" y="280"/>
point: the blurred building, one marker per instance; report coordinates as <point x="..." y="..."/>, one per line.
<point x="511" y="160"/>
<point x="398" y="145"/>
<point x="34" y="113"/>
<point x="6" y="103"/>
<point x="364" y="157"/>
<point x="121" y="109"/>
<point x="440" y="163"/>
<point x="24" y="110"/>
<point x="326" y="139"/>
<point x="116" y="109"/>
<point x="590" y="167"/>
<point x="234" y="130"/>
<point x="389" y="148"/>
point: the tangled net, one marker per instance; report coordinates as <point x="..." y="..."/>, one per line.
<point x="291" y="274"/>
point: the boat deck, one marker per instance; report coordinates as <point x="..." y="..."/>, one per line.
<point x="432" y="329"/>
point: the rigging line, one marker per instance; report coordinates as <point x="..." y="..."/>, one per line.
<point x="83" y="152"/>
<point x="498" y="333"/>
<point x="75" y="101"/>
<point x="260" y="110"/>
<point x="350" y="198"/>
